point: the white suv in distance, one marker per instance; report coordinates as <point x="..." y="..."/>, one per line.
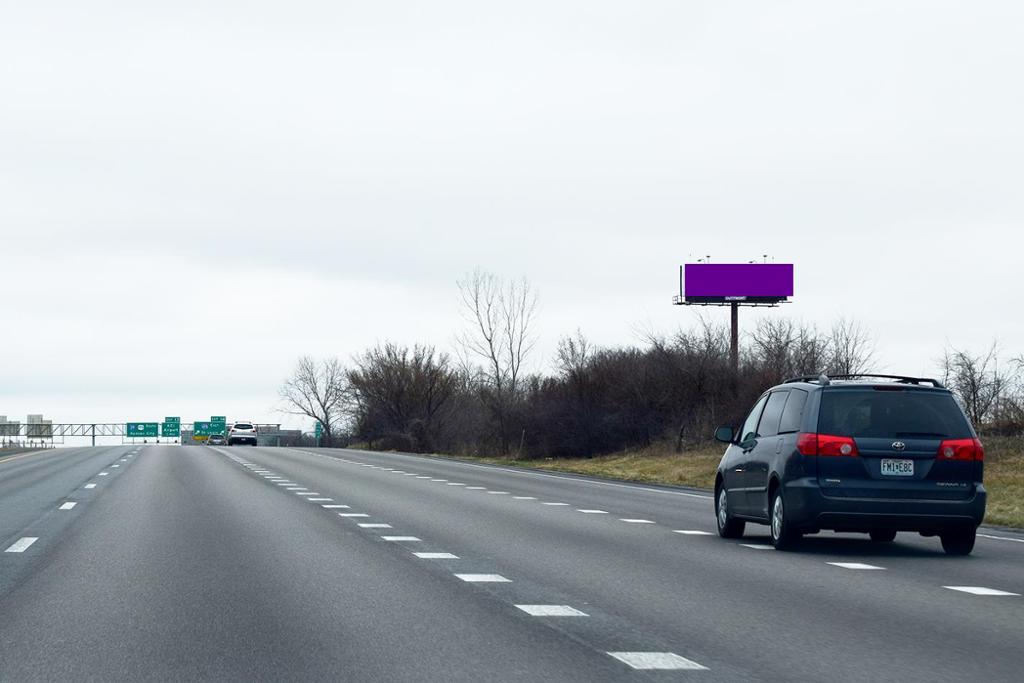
<point x="242" y="433"/>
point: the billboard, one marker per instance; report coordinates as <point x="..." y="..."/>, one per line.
<point x="738" y="282"/>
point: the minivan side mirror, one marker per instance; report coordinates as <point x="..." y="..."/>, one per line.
<point x="725" y="434"/>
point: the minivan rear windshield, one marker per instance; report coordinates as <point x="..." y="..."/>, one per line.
<point x="906" y="414"/>
<point x="243" y="425"/>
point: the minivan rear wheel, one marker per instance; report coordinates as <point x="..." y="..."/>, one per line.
<point x="959" y="542"/>
<point x="728" y="526"/>
<point x="883" y="535"/>
<point x="784" y="536"/>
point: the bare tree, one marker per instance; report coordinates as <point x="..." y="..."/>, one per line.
<point x="500" y="316"/>
<point x="573" y="353"/>
<point x="852" y="348"/>
<point x="317" y="389"/>
<point x="976" y="380"/>
<point x="402" y="394"/>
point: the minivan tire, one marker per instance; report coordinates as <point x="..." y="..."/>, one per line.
<point x="728" y="526"/>
<point x="883" y="535"/>
<point x="784" y="536"/>
<point x="959" y="542"/>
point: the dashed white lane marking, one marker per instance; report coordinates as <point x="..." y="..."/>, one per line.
<point x="113" y="466"/>
<point x="103" y="474"/>
<point x="455" y="483"/>
<point x="657" y="660"/>
<point x="1001" y="538"/>
<point x="439" y="480"/>
<point x="124" y="460"/>
<point x="436" y="556"/>
<point x="334" y="507"/>
<point x="21" y="544"/>
<point x="90" y="486"/>
<point x="319" y="500"/>
<point x="854" y="565"/>
<point x="551" y="611"/>
<point x="375" y="525"/>
<point x="523" y="498"/>
<point x="398" y="471"/>
<point x="67" y="506"/>
<point x="353" y="514"/>
<point x="692" y="532"/>
<point x="307" y="493"/>
<point x="757" y="546"/>
<point x="593" y="512"/>
<point x="286" y="483"/>
<point x="476" y="488"/>
<point x="636" y="521"/>
<point x="578" y="480"/>
<point x="422" y="477"/>
<point x="979" y="590"/>
<point x="498" y="493"/>
<point x="483" y="578"/>
<point x="297" y="488"/>
<point x="556" y="504"/>
<point x="400" y="538"/>
<point x="411" y="474"/>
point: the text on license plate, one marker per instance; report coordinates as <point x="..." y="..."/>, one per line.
<point x="899" y="468"/>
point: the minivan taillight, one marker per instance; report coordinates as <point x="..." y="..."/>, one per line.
<point x="826" y="444"/>
<point x="961" y="449"/>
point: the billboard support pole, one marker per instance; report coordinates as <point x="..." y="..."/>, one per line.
<point x="734" y="337"/>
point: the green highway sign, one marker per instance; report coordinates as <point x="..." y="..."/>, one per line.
<point x="141" y="429"/>
<point x="219" y="418"/>
<point x="173" y="419"/>
<point x="170" y="429"/>
<point x="206" y="429"/>
<point x="319" y="430"/>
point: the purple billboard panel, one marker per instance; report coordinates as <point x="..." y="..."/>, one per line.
<point x="758" y="282"/>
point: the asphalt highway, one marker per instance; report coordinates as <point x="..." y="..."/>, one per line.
<point x="195" y="563"/>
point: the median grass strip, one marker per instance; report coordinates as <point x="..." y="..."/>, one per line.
<point x="660" y="464"/>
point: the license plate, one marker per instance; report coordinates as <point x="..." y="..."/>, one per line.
<point x="898" y="468"/>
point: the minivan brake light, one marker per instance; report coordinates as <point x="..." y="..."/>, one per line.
<point x="826" y="445"/>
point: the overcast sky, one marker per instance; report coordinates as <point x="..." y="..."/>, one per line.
<point x="193" y="194"/>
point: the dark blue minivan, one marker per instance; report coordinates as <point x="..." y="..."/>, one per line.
<point x="874" y="454"/>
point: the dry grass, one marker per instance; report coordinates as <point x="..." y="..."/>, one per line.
<point x="659" y="464"/>
<point x="1004" y="480"/>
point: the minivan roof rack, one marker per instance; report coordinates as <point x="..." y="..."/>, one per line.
<point x="825" y="380"/>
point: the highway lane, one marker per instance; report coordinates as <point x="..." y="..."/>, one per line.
<point x="227" y="563"/>
<point x="716" y="602"/>
<point x="189" y="567"/>
<point x="40" y="492"/>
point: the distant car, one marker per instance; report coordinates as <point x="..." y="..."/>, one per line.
<point x="242" y="433"/>
<point x="217" y="440"/>
<point x="875" y="454"/>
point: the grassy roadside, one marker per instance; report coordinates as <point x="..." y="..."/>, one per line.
<point x="659" y="464"/>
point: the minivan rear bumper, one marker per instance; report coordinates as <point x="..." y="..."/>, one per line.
<point x="809" y="508"/>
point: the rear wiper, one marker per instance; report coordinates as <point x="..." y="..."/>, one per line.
<point x="922" y="434"/>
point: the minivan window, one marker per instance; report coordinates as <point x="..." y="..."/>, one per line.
<point x="769" y="425"/>
<point x="794" y="411"/>
<point x="749" y="430"/>
<point x="891" y="414"/>
<point x="243" y="425"/>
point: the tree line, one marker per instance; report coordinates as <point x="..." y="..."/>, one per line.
<point x="596" y="400"/>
